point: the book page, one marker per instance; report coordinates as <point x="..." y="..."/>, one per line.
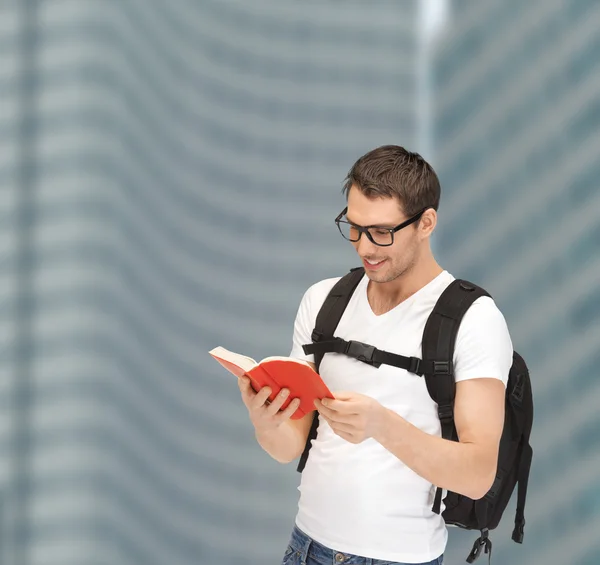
<point x="242" y="361"/>
<point x="289" y="359"/>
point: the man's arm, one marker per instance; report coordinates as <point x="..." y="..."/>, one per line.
<point x="468" y="466"/>
<point x="286" y="443"/>
<point x="280" y="436"/>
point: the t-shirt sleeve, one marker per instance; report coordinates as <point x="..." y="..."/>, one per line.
<point x="306" y="317"/>
<point x="303" y="328"/>
<point x="483" y="345"/>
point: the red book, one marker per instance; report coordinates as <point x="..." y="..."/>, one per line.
<point x="296" y="375"/>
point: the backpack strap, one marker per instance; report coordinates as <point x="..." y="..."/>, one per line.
<point x="522" y="478"/>
<point x="523" y="394"/>
<point x="439" y="339"/>
<point x="366" y="353"/>
<point x="328" y="318"/>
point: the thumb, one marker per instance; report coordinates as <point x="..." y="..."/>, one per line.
<point x="344" y="395"/>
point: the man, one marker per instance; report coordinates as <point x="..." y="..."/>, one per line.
<point x="368" y="487"/>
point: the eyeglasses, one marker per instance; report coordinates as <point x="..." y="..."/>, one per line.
<point x="377" y="234"/>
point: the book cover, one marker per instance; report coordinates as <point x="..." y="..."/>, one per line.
<point x="296" y="375"/>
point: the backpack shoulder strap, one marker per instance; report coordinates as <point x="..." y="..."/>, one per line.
<point x="333" y="308"/>
<point x="327" y="321"/>
<point x="439" y="339"/>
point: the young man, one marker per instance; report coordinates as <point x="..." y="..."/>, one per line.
<point x="368" y="487"/>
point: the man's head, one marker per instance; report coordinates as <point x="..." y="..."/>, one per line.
<point x="385" y="188"/>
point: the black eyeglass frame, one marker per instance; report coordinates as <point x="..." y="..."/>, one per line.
<point x="365" y="229"/>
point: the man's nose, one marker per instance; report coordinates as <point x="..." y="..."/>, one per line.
<point x="365" y="246"/>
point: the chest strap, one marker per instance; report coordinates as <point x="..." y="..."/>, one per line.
<point x="365" y="353"/>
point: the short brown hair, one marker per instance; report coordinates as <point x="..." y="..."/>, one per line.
<point x="392" y="171"/>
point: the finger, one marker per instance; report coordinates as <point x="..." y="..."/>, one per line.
<point x="344" y="395"/>
<point x="330" y="405"/>
<point x="246" y="398"/>
<point x="332" y="423"/>
<point x="321" y="407"/>
<point x="342" y="431"/>
<point x="340" y="427"/>
<point x="332" y="414"/>
<point x="326" y="412"/>
<point x="341" y="406"/>
<point x="246" y="389"/>
<point x="244" y="384"/>
<point x="289" y="411"/>
<point x="278" y="401"/>
<point x="345" y="431"/>
<point x="261" y="397"/>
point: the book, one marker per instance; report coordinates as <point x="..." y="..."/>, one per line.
<point x="296" y="375"/>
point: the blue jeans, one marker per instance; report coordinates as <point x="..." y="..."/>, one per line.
<point x="303" y="550"/>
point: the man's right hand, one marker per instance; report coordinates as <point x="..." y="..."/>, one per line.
<point x="265" y="415"/>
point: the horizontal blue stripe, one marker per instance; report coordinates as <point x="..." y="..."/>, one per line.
<point x="185" y="24"/>
<point x="294" y="29"/>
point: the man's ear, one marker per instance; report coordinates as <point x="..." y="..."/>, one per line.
<point x="427" y="223"/>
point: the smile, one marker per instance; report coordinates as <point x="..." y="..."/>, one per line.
<point x="373" y="265"/>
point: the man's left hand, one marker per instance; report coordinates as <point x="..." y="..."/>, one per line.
<point x="352" y="416"/>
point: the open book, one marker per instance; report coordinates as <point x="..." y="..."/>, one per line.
<point x="278" y="372"/>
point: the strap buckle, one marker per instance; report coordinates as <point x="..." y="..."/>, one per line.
<point x="361" y="351"/>
<point x="415" y="366"/>
<point x="442" y="368"/>
<point x="519" y="532"/>
<point x="482" y="543"/>
<point x="316" y="335"/>
<point x="446" y="412"/>
<point x="517" y="392"/>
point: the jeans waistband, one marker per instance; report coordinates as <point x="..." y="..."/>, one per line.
<point x="305" y="546"/>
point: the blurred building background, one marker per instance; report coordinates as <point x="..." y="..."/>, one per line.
<point x="517" y="137"/>
<point x="169" y="175"/>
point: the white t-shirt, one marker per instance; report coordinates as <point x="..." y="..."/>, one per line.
<point x="361" y="499"/>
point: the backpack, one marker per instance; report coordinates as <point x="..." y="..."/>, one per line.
<point x="436" y="366"/>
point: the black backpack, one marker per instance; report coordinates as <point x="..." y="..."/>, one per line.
<point x="436" y="366"/>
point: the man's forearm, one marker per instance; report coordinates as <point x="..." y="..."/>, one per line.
<point x="460" y="467"/>
<point x="281" y="443"/>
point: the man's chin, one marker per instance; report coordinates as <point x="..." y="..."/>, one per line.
<point x="378" y="277"/>
<point x="386" y="275"/>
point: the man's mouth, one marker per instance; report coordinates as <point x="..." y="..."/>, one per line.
<point x="373" y="263"/>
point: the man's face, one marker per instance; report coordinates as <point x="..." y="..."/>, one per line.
<point x="383" y="264"/>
